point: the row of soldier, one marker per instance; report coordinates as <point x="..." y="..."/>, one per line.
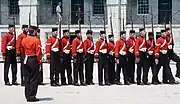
<point x="126" y="53"/>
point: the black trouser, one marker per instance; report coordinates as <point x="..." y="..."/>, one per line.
<point x="122" y="64"/>
<point x="66" y="65"/>
<point x="142" y="64"/>
<point x="151" y="64"/>
<point x="31" y="71"/>
<point x="78" y="68"/>
<point x="41" y="73"/>
<point x="103" y="64"/>
<point x="111" y="68"/>
<point x="131" y="66"/>
<point x="175" y="58"/>
<point x="22" y="68"/>
<point x="167" y="74"/>
<point x="54" y="67"/>
<point x="10" y="60"/>
<point x="89" y="68"/>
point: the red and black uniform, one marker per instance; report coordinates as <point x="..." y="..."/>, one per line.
<point x="33" y="58"/>
<point x="20" y="52"/>
<point x="140" y="51"/>
<point x="8" y="50"/>
<point x="161" y="50"/>
<point x="53" y="50"/>
<point x="173" y="56"/>
<point x="101" y="52"/>
<point x="77" y="53"/>
<point x="131" y="59"/>
<point x="66" y="64"/>
<point x="89" y="62"/>
<point x="151" y="57"/>
<point x="111" y="62"/>
<point x="121" y="54"/>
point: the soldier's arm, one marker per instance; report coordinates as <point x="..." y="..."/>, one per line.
<point x="157" y="48"/>
<point x="74" y="46"/>
<point x="116" y="50"/>
<point x="3" y="44"/>
<point x="39" y="51"/>
<point x="48" y="47"/>
<point x="18" y="45"/>
<point x="85" y="47"/>
<point x="136" y="48"/>
<point x="97" y="49"/>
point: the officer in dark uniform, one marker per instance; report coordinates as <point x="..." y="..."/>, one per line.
<point x="33" y="56"/>
<point x="111" y="60"/>
<point x="8" y="49"/>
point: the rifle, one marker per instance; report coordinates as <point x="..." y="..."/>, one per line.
<point x="111" y="24"/>
<point x="14" y="22"/>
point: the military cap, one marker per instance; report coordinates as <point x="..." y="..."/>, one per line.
<point x="10" y="25"/>
<point x="89" y="32"/>
<point x="54" y="29"/>
<point x="24" y="26"/>
<point x="141" y="29"/>
<point x="122" y="32"/>
<point x="33" y="27"/>
<point x="64" y="31"/>
<point x="110" y="36"/>
<point x="162" y="31"/>
<point x="77" y="31"/>
<point x="102" y="32"/>
<point x="150" y="34"/>
<point x="132" y="31"/>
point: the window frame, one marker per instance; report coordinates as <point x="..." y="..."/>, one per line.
<point x="13" y="10"/>
<point x="143" y="8"/>
<point x="99" y="13"/>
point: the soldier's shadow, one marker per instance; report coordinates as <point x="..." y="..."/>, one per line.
<point x="46" y="99"/>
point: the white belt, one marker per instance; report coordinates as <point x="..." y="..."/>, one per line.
<point x="163" y="51"/>
<point x="103" y="51"/>
<point x="142" y="49"/>
<point x="66" y="51"/>
<point x="80" y="50"/>
<point x="150" y="52"/>
<point x="122" y="53"/>
<point x="10" y="47"/>
<point x="90" y="52"/>
<point x="111" y="53"/>
<point x="169" y="46"/>
<point x="131" y="50"/>
<point x="55" y="49"/>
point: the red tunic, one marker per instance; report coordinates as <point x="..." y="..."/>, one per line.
<point x="120" y="48"/>
<point x="161" y="46"/>
<point x="52" y="44"/>
<point x="111" y="48"/>
<point x="32" y="47"/>
<point x="130" y="44"/>
<point x="19" y="49"/>
<point x="170" y="41"/>
<point x="150" y="46"/>
<point x="101" y="46"/>
<point x="140" y="45"/>
<point x="88" y="47"/>
<point x="8" y="42"/>
<point x="66" y="45"/>
<point x="77" y="46"/>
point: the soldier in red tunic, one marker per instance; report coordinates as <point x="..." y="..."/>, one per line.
<point x="53" y="56"/>
<point x="121" y="58"/>
<point x="20" y="52"/>
<point x="140" y="51"/>
<point x="77" y="54"/>
<point x="89" y="57"/>
<point x="8" y="49"/>
<point x="101" y="55"/>
<point x="150" y="53"/>
<point x="33" y="56"/>
<point x="111" y="60"/>
<point x="172" y="55"/>
<point x="131" y="57"/>
<point x="161" y="59"/>
<point x="66" y="48"/>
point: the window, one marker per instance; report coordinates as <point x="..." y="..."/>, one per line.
<point x="98" y="6"/>
<point x="13" y="7"/>
<point x="143" y="7"/>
